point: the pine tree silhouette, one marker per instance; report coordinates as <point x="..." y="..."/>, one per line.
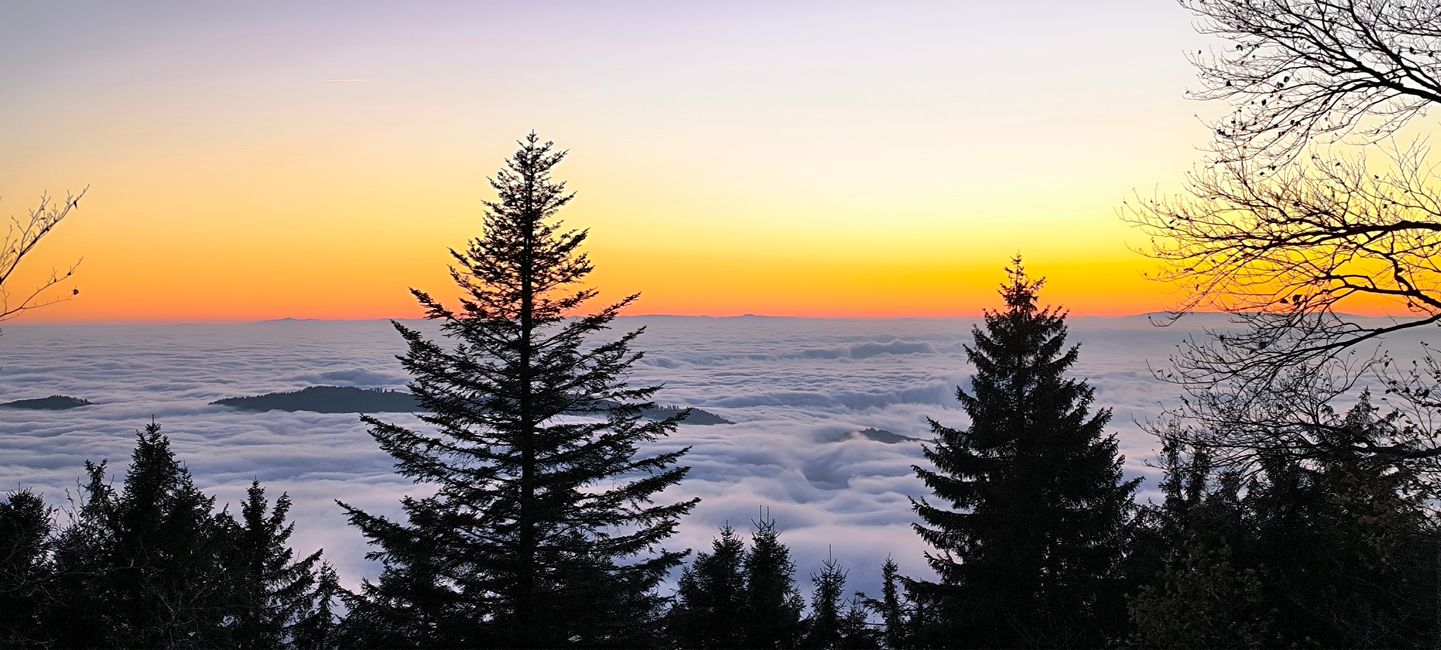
<point x="272" y="590"/>
<point x="26" y="569"/>
<point x="1029" y="505"/>
<point x="772" y="603"/>
<point x="543" y="530"/>
<point x="144" y="567"/>
<point x="710" y="610"/>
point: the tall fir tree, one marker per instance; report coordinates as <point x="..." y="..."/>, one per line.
<point x="26" y="569"/>
<point x="772" y="603"/>
<point x="1029" y="507"/>
<point x="710" y="609"/>
<point x="321" y="628"/>
<point x="836" y="621"/>
<point x="823" y="629"/>
<point x="271" y="590"/>
<point x="542" y="530"/>
<point x="144" y="567"/>
<point x="893" y="612"/>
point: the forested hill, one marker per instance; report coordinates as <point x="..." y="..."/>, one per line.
<point x="51" y="403"/>
<point x="349" y="399"/>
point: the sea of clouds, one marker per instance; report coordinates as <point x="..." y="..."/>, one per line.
<point x="794" y="388"/>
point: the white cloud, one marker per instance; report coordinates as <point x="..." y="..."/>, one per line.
<point x="787" y="384"/>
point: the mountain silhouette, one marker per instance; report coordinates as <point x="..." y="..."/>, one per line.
<point x="51" y="403"/>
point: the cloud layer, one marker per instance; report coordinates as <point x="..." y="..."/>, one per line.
<point x="794" y="388"/>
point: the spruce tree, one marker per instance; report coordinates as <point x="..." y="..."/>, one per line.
<point x="836" y="621"/>
<point x="144" y="567"/>
<point x="320" y="629"/>
<point x="26" y="570"/>
<point x="824" y="627"/>
<point x="1029" y="504"/>
<point x="80" y="614"/>
<point x="271" y="590"/>
<point x="710" y="611"/>
<point x="542" y="530"/>
<point x="893" y="613"/>
<point x="168" y="553"/>
<point x="772" y="603"/>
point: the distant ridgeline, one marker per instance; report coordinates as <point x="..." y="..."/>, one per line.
<point x="349" y="399"/>
<point x="327" y="399"/>
<point x="51" y="403"/>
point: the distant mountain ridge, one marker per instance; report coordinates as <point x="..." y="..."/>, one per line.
<point x="350" y="399"/>
<point x="327" y="399"/>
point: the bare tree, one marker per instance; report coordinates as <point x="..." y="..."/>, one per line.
<point x="21" y="238"/>
<point x="1295" y="70"/>
<point x="1285" y="227"/>
<point x="1297" y="417"/>
<point x="1287" y="252"/>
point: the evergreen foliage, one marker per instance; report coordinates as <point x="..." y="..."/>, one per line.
<point x="734" y="597"/>
<point x="894" y="618"/>
<point x="1030" y="507"/>
<point x="772" y="603"/>
<point x="542" y="530"/>
<point x="1346" y="546"/>
<point x="154" y="565"/>
<point x="824" y="625"/>
<point x="1337" y="552"/>
<point x="836" y="621"/>
<point x="321" y="628"/>
<point x="711" y="600"/>
<point x="1197" y="596"/>
<point x="150" y="557"/>
<point x="25" y="567"/>
<point x="273" y="591"/>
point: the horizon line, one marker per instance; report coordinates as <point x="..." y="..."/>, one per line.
<point x="37" y="322"/>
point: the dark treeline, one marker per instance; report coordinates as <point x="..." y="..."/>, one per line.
<point x="155" y="564"/>
<point x="546" y="515"/>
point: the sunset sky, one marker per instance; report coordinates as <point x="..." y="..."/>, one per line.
<point x="263" y="160"/>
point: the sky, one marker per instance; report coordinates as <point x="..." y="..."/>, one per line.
<point x="251" y="161"/>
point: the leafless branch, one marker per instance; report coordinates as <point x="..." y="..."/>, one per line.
<point x="21" y="238"/>
<point x="1301" y="71"/>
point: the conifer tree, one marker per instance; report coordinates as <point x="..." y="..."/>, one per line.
<point x="824" y="625"/>
<point x="836" y="621"/>
<point x="1202" y="593"/>
<point x="26" y="569"/>
<point x="1029" y="505"/>
<point x="272" y="591"/>
<point x="321" y="627"/>
<point x="168" y="553"/>
<point x="1346" y="546"/>
<point x="144" y="567"/>
<point x="542" y="530"/>
<point x="772" y="603"/>
<point x="80" y="614"/>
<point x="711" y="598"/>
<point x="893" y="614"/>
